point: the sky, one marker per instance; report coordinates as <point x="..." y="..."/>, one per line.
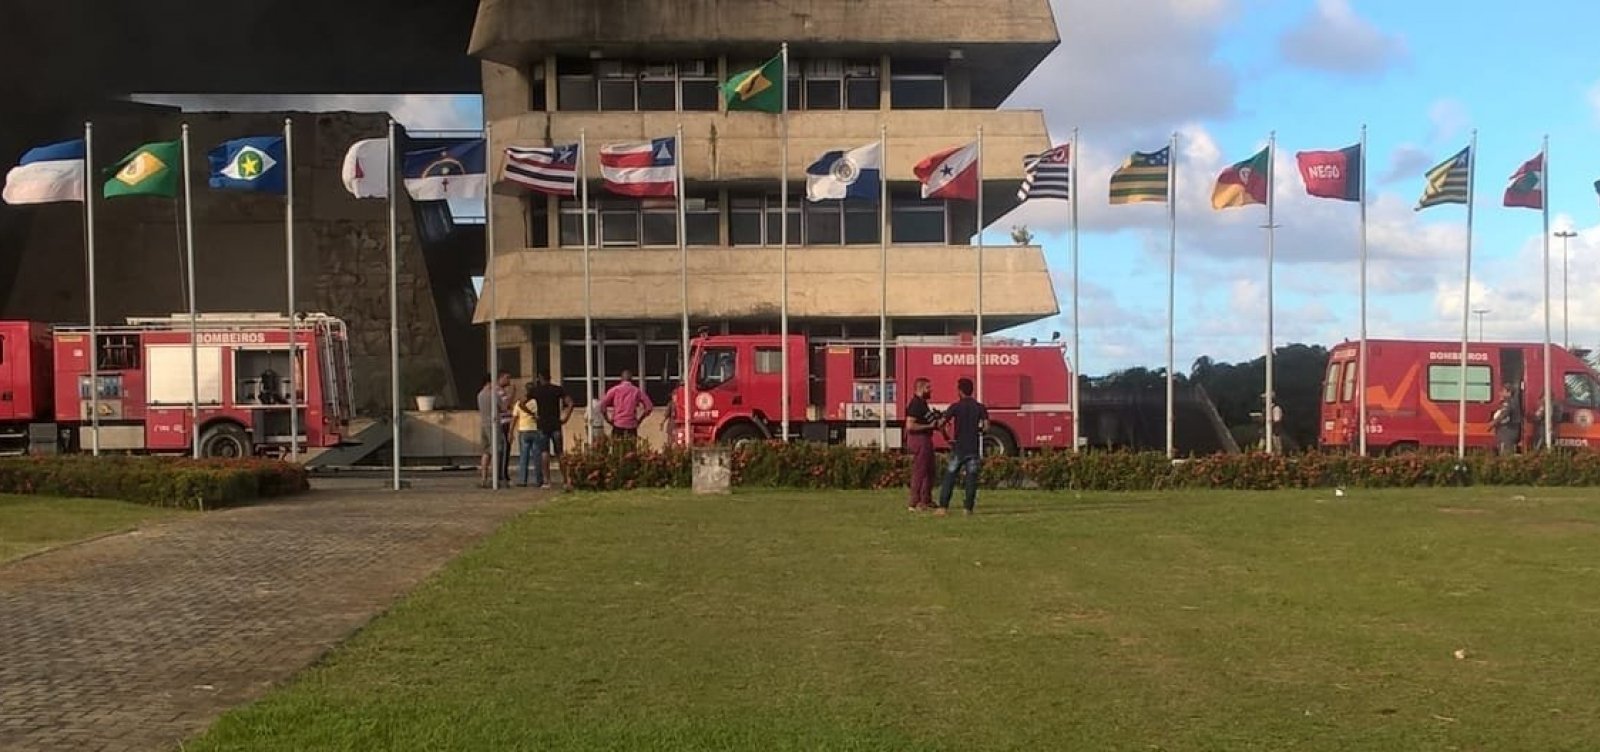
<point x="1223" y="74"/>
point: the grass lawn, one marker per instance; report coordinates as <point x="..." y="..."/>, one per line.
<point x="810" y="621"/>
<point x="32" y="523"/>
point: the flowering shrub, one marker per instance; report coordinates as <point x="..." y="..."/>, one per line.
<point x="157" y="481"/>
<point x="611" y="465"/>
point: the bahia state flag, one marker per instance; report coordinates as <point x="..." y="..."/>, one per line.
<point x="456" y="171"/>
<point x="150" y="170"/>
<point x="846" y="174"/>
<point x="1332" y="174"/>
<point x="47" y="174"/>
<point x="250" y="164"/>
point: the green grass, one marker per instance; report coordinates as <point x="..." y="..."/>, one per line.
<point x="813" y="621"/>
<point x="34" y="523"/>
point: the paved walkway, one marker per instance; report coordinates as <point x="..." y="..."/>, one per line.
<point x="138" y="641"/>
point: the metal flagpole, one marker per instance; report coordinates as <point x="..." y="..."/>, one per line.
<point x="683" y="286"/>
<point x="1361" y="361"/>
<point x="194" y="327"/>
<point x="883" y="288"/>
<point x="1272" y="398"/>
<point x="978" y="304"/>
<point x="783" y="245"/>
<point x="394" y="310"/>
<point x="88" y="245"/>
<point x="1076" y="371"/>
<point x="1466" y="303"/>
<point x="588" y="289"/>
<point x="1172" y="275"/>
<point x="294" y="329"/>
<point x="496" y="439"/>
<point x="1544" y="202"/>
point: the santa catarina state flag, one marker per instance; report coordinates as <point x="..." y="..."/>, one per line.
<point x="1526" y="189"/>
<point x="1332" y="174"/>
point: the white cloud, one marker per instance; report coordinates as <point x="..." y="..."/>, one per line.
<point x="1333" y="39"/>
<point x="1449" y="118"/>
<point x="1512" y="290"/>
<point x="1408" y="162"/>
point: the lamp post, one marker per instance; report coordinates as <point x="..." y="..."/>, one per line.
<point x="1566" y="335"/>
<point x="1481" y="312"/>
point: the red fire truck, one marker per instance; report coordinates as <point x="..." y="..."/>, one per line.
<point x="834" y="388"/>
<point x="1413" y="394"/>
<point x="146" y="384"/>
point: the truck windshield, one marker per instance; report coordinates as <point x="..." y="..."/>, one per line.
<point x="716" y="368"/>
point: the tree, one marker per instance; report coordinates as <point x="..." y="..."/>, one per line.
<point x="1021" y="235"/>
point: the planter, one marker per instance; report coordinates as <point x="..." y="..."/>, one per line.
<point x="425" y="403"/>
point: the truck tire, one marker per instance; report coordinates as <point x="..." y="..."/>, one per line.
<point x="225" y="441"/>
<point x="1403" y="448"/>
<point x="740" y="434"/>
<point x="998" y="442"/>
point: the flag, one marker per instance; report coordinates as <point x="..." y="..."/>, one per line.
<point x="1527" y="185"/>
<point x="366" y="168"/>
<point x="1447" y="181"/>
<point x="150" y="170"/>
<point x="846" y="174"/>
<point x="645" y="168"/>
<point x="549" y="169"/>
<point x="47" y="174"/>
<point x="952" y="173"/>
<point x="1332" y="174"/>
<point x="250" y="164"/>
<point x="1243" y="184"/>
<point x="1142" y="178"/>
<point x="1047" y="175"/>
<point x="757" y="89"/>
<point x="443" y="173"/>
<point x="1597" y="187"/>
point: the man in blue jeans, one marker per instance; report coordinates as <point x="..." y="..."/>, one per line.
<point x="970" y="419"/>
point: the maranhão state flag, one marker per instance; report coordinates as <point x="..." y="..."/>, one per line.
<point x="1332" y="174"/>
<point x="647" y="168"/>
<point x="952" y="173"/>
<point x="1526" y="189"/>
<point x="1242" y="184"/>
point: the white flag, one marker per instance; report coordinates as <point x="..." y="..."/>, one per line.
<point x="366" y="168"/>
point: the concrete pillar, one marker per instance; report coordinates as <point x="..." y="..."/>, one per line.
<point x="883" y="82"/>
<point x="550" y="88"/>
<point x="557" y="373"/>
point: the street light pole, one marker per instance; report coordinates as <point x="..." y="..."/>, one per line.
<point x="1481" y="312"/>
<point x="1566" y="334"/>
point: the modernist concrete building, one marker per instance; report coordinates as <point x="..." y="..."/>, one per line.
<point x="932" y="72"/>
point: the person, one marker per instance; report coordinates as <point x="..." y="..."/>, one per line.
<point x="494" y="416"/>
<point x="268" y="393"/>
<point x="669" y="422"/>
<point x="625" y="401"/>
<point x="530" y="440"/>
<point x="971" y="420"/>
<point x="555" y="407"/>
<point x="921" y="422"/>
<point x="1507" y="422"/>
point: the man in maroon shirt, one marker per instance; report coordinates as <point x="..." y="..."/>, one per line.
<point x="920" y="425"/>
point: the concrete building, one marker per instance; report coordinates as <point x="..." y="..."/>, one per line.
<point x="630" y="70"/>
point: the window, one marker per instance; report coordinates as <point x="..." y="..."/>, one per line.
<point x="913" y="219"/>
<point x="745" y="220"/>
<point x="536" y="94"/>
<point x="861" y="86"/>
<point x="539" y="221"/>
<point x="619" y="225"/>
<point x="702" y="220"/>
<point x="698" y="81"/>
<point x="1581" y="391"/>
<point x="769" y="360"/>
<point x="1351" y="370"/>
<point x="1444" y="384"/>
<point x="1330" y="385"/>
<point x="619" y="85"/>
<point x="824" y="84"/>
<point x="917" y="85"/>
<point x="716" y="368"/>
<point x="659" y="222"/>
<point x="824" y="223"/>
<point x="575" y="87"/>
<point x="627" y="86"/>
<point x="510" y="360"/>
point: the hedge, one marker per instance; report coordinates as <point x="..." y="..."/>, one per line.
<point x="612" y="465"/>
<point x="178" y="483"/>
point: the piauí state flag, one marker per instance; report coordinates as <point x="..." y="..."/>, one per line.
<point x="1243" y="184"/>
<point x="150" y="170"/>
<point x="250" y="164"/>
<point x="757" y="89"/>
<point x="1526" y="189"/>
<point x="47" y="174"/>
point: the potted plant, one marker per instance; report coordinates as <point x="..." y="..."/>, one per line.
<point x="426" y="381"/>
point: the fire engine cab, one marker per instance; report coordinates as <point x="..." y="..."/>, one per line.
<point x="835" y="389"/>
<point x="145" y="382"/>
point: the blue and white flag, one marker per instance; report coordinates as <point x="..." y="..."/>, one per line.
<point x="250" y="164"/>
<point x="846" y="174"/>
<point x="47" y="174"/>
<point x="457" y="171"/>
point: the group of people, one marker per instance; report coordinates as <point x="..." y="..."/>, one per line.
<point x="969" y="420"/>
<point x="534" y="425"/>
<point x="1508" y="422"/>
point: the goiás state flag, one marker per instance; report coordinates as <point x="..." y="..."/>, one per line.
<point x="453" y="171"/>
<point x="1526" y="189"/>
<point x="47" y="174"/>
<point x="643" y="169"/>
<point x="1243" y="183"/>
<point x="365" y="172"/>
<point x="546" y="169"/>
<point x="844" y="174"/>
<point x="1332" y="174"/>
<point x="951" y="173"/>
<point x="249" y="164"/>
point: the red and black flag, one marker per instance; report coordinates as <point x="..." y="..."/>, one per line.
<point x="1332" y="174"/>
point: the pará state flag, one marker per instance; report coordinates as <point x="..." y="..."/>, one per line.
<point x="950" y="174"/>
<point x="456" y="171"/>
<point x="1332" y="174"/>
<point x="47" y="174"/>
<point x="250" y="164"/>
<point x="840" y="174"/>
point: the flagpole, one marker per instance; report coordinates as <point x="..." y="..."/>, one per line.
<point x="883" y="288"/>
<point x="683" y="283"/>
<point x="394" y="311"/>
<point x="495" y="432"/>
<point x="588" y="288"/>
<point x="1466" y="303"/>
<point x="294" y="329"/>
<point x="1172" y="276"/>
<point x="1544" y="203"/>
<point x="1361" y="361"/>
<point x="978" y="305"/>
<point x="783" y="243"/>
<point x="1272" y="398"/>
<point x="194" y="327"/>
<point x="1076" y="371"/>
<point x="88" y="243"/>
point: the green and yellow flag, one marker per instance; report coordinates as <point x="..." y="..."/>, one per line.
<point x="757" y="89"/>
<point x="150" y="170"/>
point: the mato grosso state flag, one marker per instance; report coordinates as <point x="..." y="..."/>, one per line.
<point x="250" y="164"/>
<point x="1244" y="183"/>
<point x="1526" y="189"/>
<point x="759" y="89"/>
<point x="1332" y="174"/>
<point x="1142" y="178"/>
<point x="150" y="170"/>
<point x="1447" y="181"/>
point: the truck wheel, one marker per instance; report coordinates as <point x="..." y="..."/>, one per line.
<point x="740" y="434"/>
<point x="1402" y="448"/>
<point x="998" y="442"/>
<point x="225" y="441"/>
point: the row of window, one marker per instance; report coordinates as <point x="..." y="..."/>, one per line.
<point x="1444" y="385"/>
<point x="691" y="85"/>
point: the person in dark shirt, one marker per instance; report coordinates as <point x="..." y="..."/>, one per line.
<point x="921" y="422"/>
<point x="971" y="420"/>
<point x="554" y="408"/>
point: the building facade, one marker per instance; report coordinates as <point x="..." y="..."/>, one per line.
<point x="930" y="73"/>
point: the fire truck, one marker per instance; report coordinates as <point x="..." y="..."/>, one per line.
<point x="1414" y="391"/>
<point x="145" y="379"/>
<point x="834" y="389"/>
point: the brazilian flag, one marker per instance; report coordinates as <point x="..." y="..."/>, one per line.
<point x="758" y="89"/>
<point x="150" y="170"/>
